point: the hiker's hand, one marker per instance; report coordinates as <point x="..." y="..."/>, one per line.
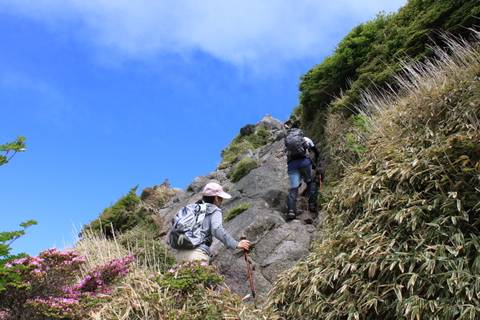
<point x="244" y="244"/>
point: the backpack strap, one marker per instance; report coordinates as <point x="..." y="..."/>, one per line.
<point x="207" y="233"/>
<point x="202" y="213"/>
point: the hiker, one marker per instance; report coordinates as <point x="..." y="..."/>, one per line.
<point x="213" y="196"/>
<point x="300" y="166"/>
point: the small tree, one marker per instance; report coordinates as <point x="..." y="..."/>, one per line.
<point x="6" y="239"/>
<point x="11" y="149"/>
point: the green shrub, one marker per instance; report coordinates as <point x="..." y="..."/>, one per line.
<point x="189" y="282"/>
<point x="189" y="276"/>
<point x="233" y="151"/>
<point x="243" y="168"/>
<point x="242" y="143"/>
<point x="119" y="217"/>
<point x="247" y="130"/>
<point x="6" y="239"/>
<point x="236" y="211"/>
<point x="131" y="210"/>
<point x="264" y="133"/>
<point x="260" y="138"/>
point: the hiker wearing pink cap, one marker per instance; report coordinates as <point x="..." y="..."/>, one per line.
<point x="213" y="195"/>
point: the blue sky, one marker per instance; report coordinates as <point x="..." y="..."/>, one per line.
<point x="115" y="94"/>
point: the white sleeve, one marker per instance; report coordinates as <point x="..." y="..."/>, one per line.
<point x="310" y="142"/>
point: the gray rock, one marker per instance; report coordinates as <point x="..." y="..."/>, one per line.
<point x="268" y="182"/>
<point x="220" y="176"/>
<point x="271" y="123"/>
<point x="247" y="154"/>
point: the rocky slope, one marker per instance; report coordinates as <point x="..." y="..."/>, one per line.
<point x="276" y="244"/>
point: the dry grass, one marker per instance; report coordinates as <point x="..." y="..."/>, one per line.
<point x="154" y="198"/>
<point x="131" y="301"/>
<point x="401" y="237"/>
<point x="138" y="296"/>
<point x="98" y="250"/>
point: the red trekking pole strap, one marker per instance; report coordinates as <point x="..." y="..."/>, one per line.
<point x="250" y="277"/>
<point x="320" y="177"/>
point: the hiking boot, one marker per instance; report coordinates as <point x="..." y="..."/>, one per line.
<point x="291" y="216"/>
<point x="312" y="208"/>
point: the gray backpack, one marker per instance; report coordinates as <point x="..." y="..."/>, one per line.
<point x="187" y="229"/>
<point x="296" y="146"/>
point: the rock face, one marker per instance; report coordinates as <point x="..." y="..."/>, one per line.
<point x="276" y="245"/>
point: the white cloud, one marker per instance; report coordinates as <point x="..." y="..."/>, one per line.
<point x="235" y="31"/>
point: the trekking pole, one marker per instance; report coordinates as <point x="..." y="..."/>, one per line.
<point x="250" y="277"/>
<point x="320" y="176"/>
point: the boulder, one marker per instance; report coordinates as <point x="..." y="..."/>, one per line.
<point x="271" y="123"/>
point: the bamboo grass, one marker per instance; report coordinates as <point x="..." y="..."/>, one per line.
<point x="401" y="234"/>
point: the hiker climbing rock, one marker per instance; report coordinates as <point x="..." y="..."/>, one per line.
<point x="297" y="148"/>
<point x="195" y="224"/>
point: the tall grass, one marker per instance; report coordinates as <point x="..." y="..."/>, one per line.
<point x="401" y="234"/>
<point x="140" y="296"/>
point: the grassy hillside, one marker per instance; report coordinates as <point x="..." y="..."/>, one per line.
<point x="368" y="55"/>
<point x="401" y="237"/>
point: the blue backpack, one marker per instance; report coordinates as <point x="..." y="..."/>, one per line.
<point x="187" y="229"/>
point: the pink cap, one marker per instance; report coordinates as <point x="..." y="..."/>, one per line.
<point x="214" y="189"/>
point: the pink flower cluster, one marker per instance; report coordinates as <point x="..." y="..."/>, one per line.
<point x="192" y="266"/>
<point x="49" y="288"/>
<point x="100" y="278"/>
<point x="67" y="308"/>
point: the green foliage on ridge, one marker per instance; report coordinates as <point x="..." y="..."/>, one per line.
<point x="401" y="238"/>
<point x="250" y="137"/>
<point x="119" y="217"/>
<point x="132" y="211"/>
<point x="371" y="52"/>
<point x="243" y="168"/>
<point x="133" y="223"/>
